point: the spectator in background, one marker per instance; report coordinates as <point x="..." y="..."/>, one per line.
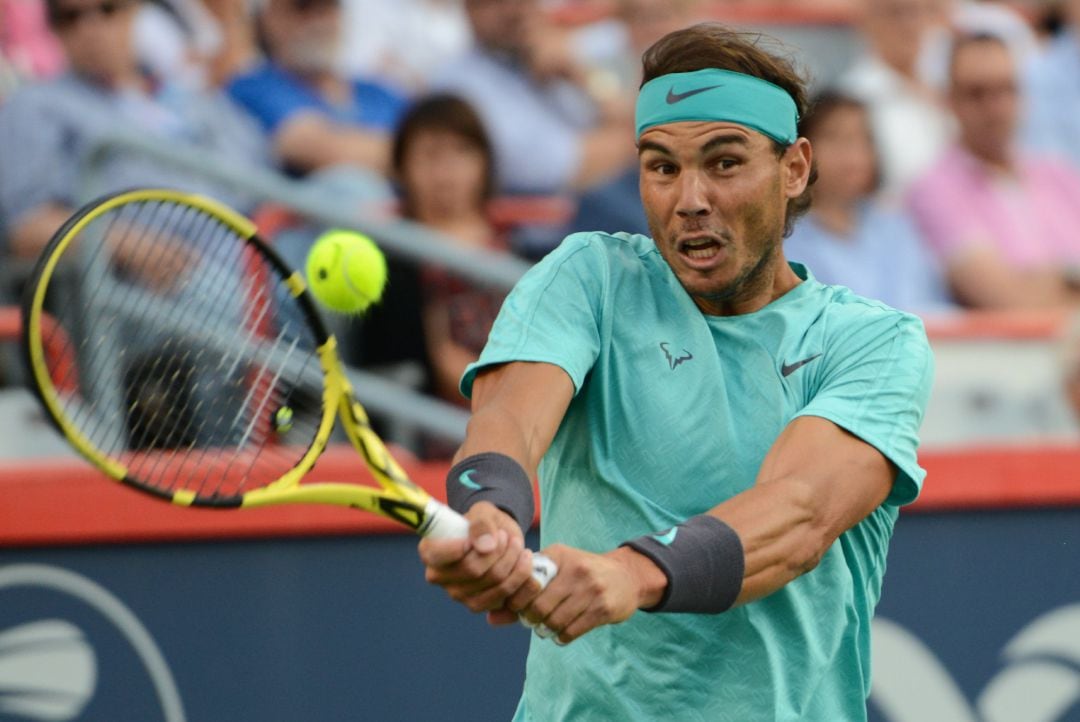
<point x="404" y="41"/>
<point x="548" y="135"/>
<point x="612" y="53"/>
<point x="849" y="237"/>
<point x="1052" y="122"/>
<point x="910" y="122"/>
<point x="611" y="50"/>
<point x="974" y="17"/>
<point x="444" y="165"/>
<point x="196" y="42"/>
<point x="27" y="49"/>
<point x="315" y="117"/>
<point x="1005" y="224"/>
<point x="49" y="128"/>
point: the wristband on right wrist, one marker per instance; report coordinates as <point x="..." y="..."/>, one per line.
<point x="703" y="561"/>
<point x="495" y="478"/>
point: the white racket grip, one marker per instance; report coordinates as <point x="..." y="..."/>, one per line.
<point x="445" y="523"/>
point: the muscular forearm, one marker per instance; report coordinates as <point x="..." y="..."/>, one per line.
<point x="492" y="429"/>
<point x="782" y="534"/>
<point x="816" y="482"/>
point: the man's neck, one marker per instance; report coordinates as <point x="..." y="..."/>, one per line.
<point x="996" y="162"/>
<point x="325" y="82"/>
<point x="768" y="281"/>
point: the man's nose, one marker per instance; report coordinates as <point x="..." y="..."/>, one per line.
<point x="693" y="196"/>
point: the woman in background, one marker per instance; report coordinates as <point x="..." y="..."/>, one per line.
<point x="442" y="160"/>
<point x="850" y="237"/>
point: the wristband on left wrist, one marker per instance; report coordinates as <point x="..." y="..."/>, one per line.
<point x="704" y="563"/>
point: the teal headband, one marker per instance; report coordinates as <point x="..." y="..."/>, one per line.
<point x="720" y="95"/>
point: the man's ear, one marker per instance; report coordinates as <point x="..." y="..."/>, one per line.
<point x="797" y="162"/>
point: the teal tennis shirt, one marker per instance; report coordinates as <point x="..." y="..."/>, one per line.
<point x="673" y="413"/>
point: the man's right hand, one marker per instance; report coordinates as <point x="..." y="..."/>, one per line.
<point x="483" y="571"/>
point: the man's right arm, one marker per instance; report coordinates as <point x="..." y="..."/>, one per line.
<point x="517" y="408"/>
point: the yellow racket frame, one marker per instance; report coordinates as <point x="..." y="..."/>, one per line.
<point x="398" y="498"/>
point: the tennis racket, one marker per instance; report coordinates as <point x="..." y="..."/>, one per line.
<point x="177" y="352"/>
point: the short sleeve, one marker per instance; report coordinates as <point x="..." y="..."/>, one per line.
<point x="270" y="97"/>
<point x="875" y="383"/>
<point x="553" y="315"/>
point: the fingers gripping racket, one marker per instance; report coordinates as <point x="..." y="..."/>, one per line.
<point x="180" y="355"/>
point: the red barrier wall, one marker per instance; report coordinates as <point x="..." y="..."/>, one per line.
<point x="61" y="502"/>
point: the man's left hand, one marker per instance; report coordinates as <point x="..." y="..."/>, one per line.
<point x="591" y="590"/>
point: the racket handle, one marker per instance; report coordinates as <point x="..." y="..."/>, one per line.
<point x="445" y="523"/>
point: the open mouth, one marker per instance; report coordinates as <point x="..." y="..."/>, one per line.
<point x="701" y="249"/>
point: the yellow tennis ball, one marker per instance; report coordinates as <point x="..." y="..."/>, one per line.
<point x="346" y="271"/>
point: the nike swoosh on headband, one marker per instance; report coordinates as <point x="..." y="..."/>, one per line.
<point x="673" y="97"/>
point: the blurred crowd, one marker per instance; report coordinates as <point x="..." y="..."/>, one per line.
<point x="947" y="150"/>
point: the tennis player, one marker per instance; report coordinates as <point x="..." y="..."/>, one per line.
<point x="722" y="442"/>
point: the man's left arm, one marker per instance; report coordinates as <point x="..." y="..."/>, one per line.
<point x="849" y="450"/>
<point x="817" y="481"/>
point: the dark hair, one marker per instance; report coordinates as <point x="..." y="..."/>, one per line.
<point x="446" y="113"/>
<point x="56" y="17"/>
<point x="821" y="109"/>
<point x="713" y="45"/>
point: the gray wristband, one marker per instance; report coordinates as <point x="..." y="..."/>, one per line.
<point x="703" y="561"/>
<point x="492" y="477"/>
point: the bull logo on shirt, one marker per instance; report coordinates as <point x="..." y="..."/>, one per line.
<point x="672" y="359"/>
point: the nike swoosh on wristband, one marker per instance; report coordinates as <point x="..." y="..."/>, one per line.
<point x="667" y="537"/>
<point x="788" y="369"/>
<point x="673" y="97"/>
<point x="466" y="480"/>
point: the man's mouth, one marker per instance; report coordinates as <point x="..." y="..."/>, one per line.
<point x="700" y="248"/>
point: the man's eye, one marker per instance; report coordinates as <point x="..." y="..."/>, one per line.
<point x="664" y="168"/>
<point x="726" y="163"/>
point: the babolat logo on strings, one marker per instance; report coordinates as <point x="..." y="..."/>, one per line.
<point x="674" y="359"/>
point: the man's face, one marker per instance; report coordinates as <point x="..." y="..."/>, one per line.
<point x="1072" y="12"/>
<point x="647" y="21"/>
<point x="985" y="98"/>
<point x="897" y="28"/>
<point x="846" y="161"/>
<point x="715" y="197"/>
<point x="304" y="35"/>
<point x="96" y="35"/>
<point x="502" y="24"/>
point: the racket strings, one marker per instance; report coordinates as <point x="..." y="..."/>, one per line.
<point x="165" y="367"/>
<point x="194" y="366"/>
